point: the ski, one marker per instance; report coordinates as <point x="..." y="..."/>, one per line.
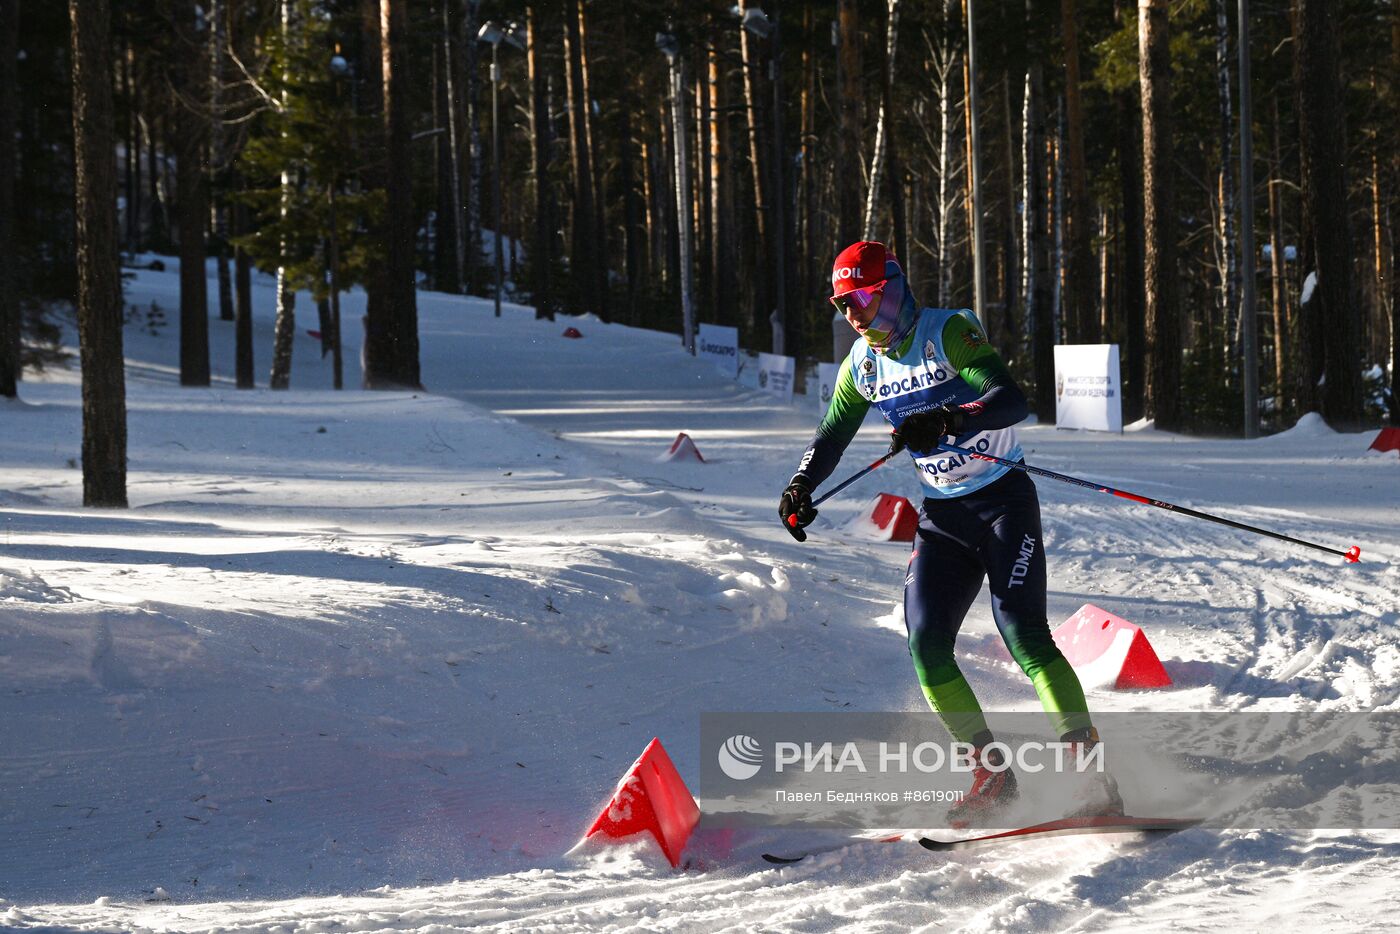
<point x="1069" y="825"/>
<point x="1060" y="827"/>
<point x="852" y="841"/>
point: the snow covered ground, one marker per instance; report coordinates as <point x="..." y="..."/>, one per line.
<point x="372" y="661"/>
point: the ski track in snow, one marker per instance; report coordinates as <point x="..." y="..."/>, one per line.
<point x="371" y="661"/>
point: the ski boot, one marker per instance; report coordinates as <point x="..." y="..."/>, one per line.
<point x="991" y="793"/>
<point x="1096" y="793"/>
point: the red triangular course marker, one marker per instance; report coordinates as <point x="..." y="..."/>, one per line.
<point x="650" y="798"/>
<point x="887" y="518"/>
<point x="682" y="449"/>
<point x="572" y="332"/>
<point x="1109" y="651"/>
<point x="1387" y="439"/>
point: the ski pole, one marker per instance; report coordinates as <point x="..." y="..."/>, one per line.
<point x="792" y="519"/>
<point x="1352" y="554"/>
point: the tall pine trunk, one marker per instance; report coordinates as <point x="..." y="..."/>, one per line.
<point x="1131" y="277"/>
<point x="1077" y="301"/>
<point x="1159" y="267"/>
<point x="9" y="299"/>
<point x="99" y="282"/>
<point x="192" y="197"/>
<point x="584" y="257"/>
<point x="243" y="306"/>
<point x="391" y="341"/>
<point x="1322" y="126"/>
<point x="542" y="151"/>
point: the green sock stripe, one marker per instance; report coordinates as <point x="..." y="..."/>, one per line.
<point x="1062" y="696"/>
<point x="957" y="707"/>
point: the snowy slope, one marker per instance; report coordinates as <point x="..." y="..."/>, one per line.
<point x="372" y="661"/>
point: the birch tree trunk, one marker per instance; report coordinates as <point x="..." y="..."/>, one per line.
<point x="285" y="326"/>
<point x="1035" y="262"/>
<point x="1277" y="274"/>
<point x="882" y="130"/>
<point x="1229" y="270"/>
<point x="99" y="281"/>
<point x="943" y="224"/>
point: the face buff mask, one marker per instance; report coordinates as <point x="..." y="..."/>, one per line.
<point x="894" y="319"/>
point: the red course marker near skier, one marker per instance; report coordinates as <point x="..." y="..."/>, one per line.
<point x="1108" y="650"/>
<point x="650" y="798"/>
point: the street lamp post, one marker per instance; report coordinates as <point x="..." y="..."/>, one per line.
<point x="494" y="34"/>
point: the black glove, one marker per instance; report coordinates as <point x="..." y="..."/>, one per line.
<point x="795" y="509"/>
<point x="923" y="430"/>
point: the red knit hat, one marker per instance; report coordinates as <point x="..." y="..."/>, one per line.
<point x="859" y="266"/>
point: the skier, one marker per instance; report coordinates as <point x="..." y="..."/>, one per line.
<point x="932" y="374"/>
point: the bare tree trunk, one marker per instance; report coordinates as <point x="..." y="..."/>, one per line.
<point x="10" y="367"/>
<point x="882" y="124"/>
<point x="848" y="123"/>
<point x="192" y="195"/>
<point x="542" y="150"/>
<point x="1322" y="128"/>
<point x="99" y="280"/>
<point x="1159" y="272"/>
<point x="1077" y="301"/>
<point x="284" y="328"/>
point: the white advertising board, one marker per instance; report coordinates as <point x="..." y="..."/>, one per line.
<point x="826" y="380"/>
<point x="720" y="346"/>
<point x="1088" y="391"/>
<point x="775" y="374"/>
